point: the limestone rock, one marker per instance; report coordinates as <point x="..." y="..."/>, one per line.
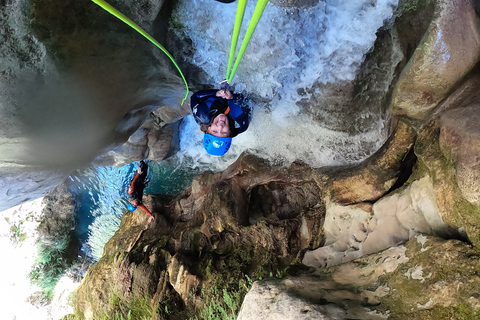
<point x="349" y="291"/>
<point x="148" y="141"/>
<point x="460" y="142"/>
<point x="268" y="300"/>
<point x="428" y="278"/>
<point x="354" y="231"/>
<point x="181" y="279"/>
<point x="448" y="51"/>
<point x="371" y="179"/>
<point x="439" y="290"/>
<point x="437" y="160"/>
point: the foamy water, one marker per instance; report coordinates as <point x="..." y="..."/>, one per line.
<point x="291" y="50"/>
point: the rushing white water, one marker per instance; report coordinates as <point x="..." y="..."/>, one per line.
<point x="291" y="50"/>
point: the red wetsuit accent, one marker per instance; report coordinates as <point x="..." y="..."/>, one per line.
<point x="135" y="189"/>
<point x="145" y="209"/>
<point x="130" y="187"/>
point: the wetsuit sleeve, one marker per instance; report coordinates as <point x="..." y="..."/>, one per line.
<point x="240" y="112"/>
<point x="200" y="105"/>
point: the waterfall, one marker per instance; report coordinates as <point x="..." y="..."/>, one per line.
<point x="292" y="52"/>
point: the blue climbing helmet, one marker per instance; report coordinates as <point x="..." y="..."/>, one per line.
<point x="130" y="207"/>
<point x="216" y="146"/>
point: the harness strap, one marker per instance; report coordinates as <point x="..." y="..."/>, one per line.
<point x="107" y="7"/>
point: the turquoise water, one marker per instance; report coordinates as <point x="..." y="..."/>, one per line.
<point x="102" y="190"/>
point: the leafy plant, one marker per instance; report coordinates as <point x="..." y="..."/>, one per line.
<point x="140" y="308"/>
<point x="49" y="265"/>
<point x="224" y="306"/>
<point x="17" y="234"/>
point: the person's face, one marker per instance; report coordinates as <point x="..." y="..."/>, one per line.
<point x="219" y="127"/>
<point x="134" y="202"/>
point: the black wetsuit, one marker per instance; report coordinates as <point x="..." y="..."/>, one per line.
<point x="139" y="182"/>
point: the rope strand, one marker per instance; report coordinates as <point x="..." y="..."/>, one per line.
<point x="107" y="7"/>
<point x="257" y="14"/>
<point x="236" y="30"/>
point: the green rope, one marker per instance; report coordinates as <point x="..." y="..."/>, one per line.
<point x="132" y="24"/>
<point x="236" y="30"/>
<point x="261" y="4"/>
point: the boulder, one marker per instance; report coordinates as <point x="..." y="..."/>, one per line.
<point x="447" y="52"/>
<point x="288" y="300"/>
<point x="354" y="231"/>
<point x="372" y="178"/>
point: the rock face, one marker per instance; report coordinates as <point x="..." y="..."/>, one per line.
<point x="448" y="51"/>
<point x="460" y="143"/>
<point x="66" y="81"/>
<point x="354" y="231"/>
<point x="425" y="279"/>
<point x="374" y="177"/>
<point x="248" y="221"/>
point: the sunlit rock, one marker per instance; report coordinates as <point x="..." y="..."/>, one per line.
<point x="447" y="52"/>
<point x="426" y="278"/>
<point x="354" y="231"/>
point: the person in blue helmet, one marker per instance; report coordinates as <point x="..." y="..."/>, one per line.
<point x="135" y="190"/>
<point x="221" y="116"/>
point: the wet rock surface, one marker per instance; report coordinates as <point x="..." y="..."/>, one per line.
<point x="66" y="81"/>
<point x="208" y="227"/>
<point x="448" y="51"/>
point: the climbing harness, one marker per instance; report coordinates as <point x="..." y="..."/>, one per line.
<point x="257" y="13"/>
<point x="107" y="7"/>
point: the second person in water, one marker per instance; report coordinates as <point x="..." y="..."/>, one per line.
<point x="221" y="116"/>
